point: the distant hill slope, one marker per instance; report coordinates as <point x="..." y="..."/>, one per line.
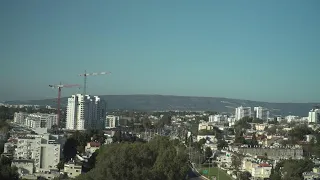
<point x="162" y="102"/>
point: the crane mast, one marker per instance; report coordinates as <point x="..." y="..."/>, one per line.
<point x="90" y="74"/>
<point x="59" y="87"/>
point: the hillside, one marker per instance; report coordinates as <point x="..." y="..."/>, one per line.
<point x="161" y="102"/>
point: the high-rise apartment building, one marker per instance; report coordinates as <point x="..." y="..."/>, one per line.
<point x="261" y="113"/>
<point x="242" y="112"/>
<point x="85" y="112"/>
<point x="314" y="116"/>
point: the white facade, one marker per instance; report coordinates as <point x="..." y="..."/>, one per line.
<point x="72" y="169"/>
<point x="261" y="113"/>
<point x="217" y="118"/>
<point x="291" y="118"/>
<point x="20" y="117"/>
<point x="44" y="152"/>
<point x="242" y="112"/>
<point x="261" y="171"/>
<point x="204" y="126"/>
<point x="314" y="116"/>
<point x="85" y="112"/>
<point x="40" y="120"/>
<point x="112" y="121"/>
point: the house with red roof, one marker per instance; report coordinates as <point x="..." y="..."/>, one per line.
<point x="92" y="147"/>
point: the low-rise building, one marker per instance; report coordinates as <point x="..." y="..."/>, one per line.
<point x="314" y="174"/>
<point x="25" y="166"/>
<point x="210" y="138"/>
<point x="72" y="169"/>
<point x="205" y="126"/>
<point x="274" y="153"/>
<point x="112" y="121"/>
<point x="218" y="118"/>
<point x="9" y="147"/>
<point x="261" y="171"/>
<point x="40" y="120"/>
<point x="92" y="147"/>
<point x="41" y="149"/>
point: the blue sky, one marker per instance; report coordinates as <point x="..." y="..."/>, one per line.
<point x="256" y="50"/>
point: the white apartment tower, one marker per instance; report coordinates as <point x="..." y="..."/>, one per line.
<point x="261" y="113"/>
<point x="242" y="112"/>
<point x="314" y="116"/>
<point x="85" y="112"/>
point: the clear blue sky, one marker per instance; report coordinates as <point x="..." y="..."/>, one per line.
<point x="257" y="50"/>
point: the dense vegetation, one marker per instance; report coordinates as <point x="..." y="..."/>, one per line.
<point x="158" y="159"/>
<point x="6" y="171"/>
<point x="291" y="169"/>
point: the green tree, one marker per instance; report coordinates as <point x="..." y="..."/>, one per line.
<point x="158" y="159"/>
<point x="117" y="137"/>
<point x="254" y="141"/>
<point x="6" y="171"/>
<point x="202" y="141"/>
<point x="208" y="152"/>
<point x="291" y="169"/>
<point x="298" y="133"/>
<point x="222" y="144"/>
<point x="70" y="149"/>
<point x="236" y="161"/>
<point x="272" y="130"/>
<point x="257" y="120"/>
<point x="146" y="123"/>
<point x="244" y="175"/>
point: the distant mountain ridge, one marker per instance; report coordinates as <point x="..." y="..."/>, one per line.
<point x="170" y="102"/>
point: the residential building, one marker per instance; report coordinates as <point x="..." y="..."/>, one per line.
<point x="208" y="138"/>
<point x="72" y="169"/>
<point x="85" y="112"/>
<point x="24" y="166"/>
<point x="112" y="121"/>
<point x="242" y="112"/>
<point x="9" y="147"/>
<point x="314" y="174"/>
<point x="261" y="113"/>
<point x="261" y="171"/>
<point x="218" y="118"/>
<point x="205" y="126"/>
<point x="314" y="116"/>
<point x="92" y="147"/>
<point x="256" y="169"/>
<point x="19" y="117"/>
<point x="225" y="160"/>
<point x="44" y="152"/>
<point x="274" y="153"/>
<point x="40" y="120"/>
<point x="292" y="118"/>
<point x="261" y="127"/>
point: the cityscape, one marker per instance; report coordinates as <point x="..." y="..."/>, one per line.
<point x="249" y="141"/>
<point x="159" y="90"/>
